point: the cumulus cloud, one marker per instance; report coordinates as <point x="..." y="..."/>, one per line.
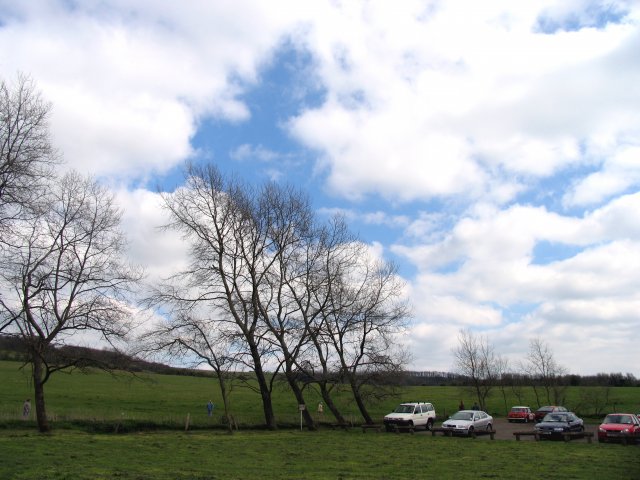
<point x="484" y="273"/>
<point x="130" y="82"/>
<point x="428" y="102"/>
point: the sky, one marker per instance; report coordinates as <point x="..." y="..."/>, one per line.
<point x="491" y="149"/>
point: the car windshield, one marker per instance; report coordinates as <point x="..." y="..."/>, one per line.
<point x="617" y="419"/>
<point x="462" y="416"/>
<point x="555" y="417"/>
<point x="404" y="409"/>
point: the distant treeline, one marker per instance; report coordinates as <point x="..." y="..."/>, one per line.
<point x="516" y="379"/>
<point x="13" y="348"/>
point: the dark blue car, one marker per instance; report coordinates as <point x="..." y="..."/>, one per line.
<point x="557" y="423"/>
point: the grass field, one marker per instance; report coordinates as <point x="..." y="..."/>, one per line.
<point x="76" y="402"/>
<point x="302" y="455"/>
<point x="167" y="399"/>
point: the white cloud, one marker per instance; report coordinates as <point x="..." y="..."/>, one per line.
<point x="483" y="274"/>
<point x="161" y="252"/>
<point x="430" y="102"/>
<point x="620" y="172"/>
<point x="130" y="82"/>
<point x="472" y="104"/>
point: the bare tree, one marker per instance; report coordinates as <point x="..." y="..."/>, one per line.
<point x="477" y="360"/>
<point x="63" y="272"/>
<point x="26" y="154"/>
<point x="231" y="252"/>
<point x="366" y="313"/>
<point x="259" y="257"/>
<point x="543" y="369"/>
<point x="318" y="271"/>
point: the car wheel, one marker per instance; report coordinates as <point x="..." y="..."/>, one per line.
<point x="601" y="440"/>
<point x="470" y="431"/>
<point x="489" y="427"/>
<point x="581" y="429"/>
<point x="429" y="425"/>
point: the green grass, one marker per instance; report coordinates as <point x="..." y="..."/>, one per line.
<point x="167" y="399"/>
<point x="151" y="410"/>
<point x="294" y="455"/>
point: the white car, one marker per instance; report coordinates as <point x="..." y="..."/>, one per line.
<point x="468" y="421"/>
<point x="411" y="415"/>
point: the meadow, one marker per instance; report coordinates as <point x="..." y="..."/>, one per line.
<point x="152" y="443"/>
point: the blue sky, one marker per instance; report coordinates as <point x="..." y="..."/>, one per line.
<point x="489" y="148"/>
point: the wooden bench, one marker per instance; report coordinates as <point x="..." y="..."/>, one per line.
<point x="344" y="426"/>
<point x="449" y="432"/>
<point x="403" y="428"/>
<point x="371" y="426"/>
<point x="532" y="433"/>
<point x="625" y="438"/>
<point x="569" y="435"/>
<point x="565" y="435"/>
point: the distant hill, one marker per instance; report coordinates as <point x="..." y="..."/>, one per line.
<point x="13" y="348"/>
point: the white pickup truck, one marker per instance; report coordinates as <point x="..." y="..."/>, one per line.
<point x="412" y="414"/>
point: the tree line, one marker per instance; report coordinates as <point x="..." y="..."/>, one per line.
<point x="484" y="370"/>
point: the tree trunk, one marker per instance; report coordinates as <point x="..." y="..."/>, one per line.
<point x="297" y="392"/>
<point x="38" y="385"/>
<point x="360" y="402"/>
<point x="328" y="401"/>
<point x="225" y="401"/>
<point x="265" y="393"/>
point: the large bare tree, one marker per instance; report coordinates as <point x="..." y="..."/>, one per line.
<point x="292" y="292"/>
<point x="231" y="252"/>
<point x="63" y="272"/>
<point x="26" y="154"/>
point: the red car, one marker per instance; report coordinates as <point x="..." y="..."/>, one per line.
<point x="616" y="426"/>
<point x="542" y="411"/>
<point x="520" y="414"/>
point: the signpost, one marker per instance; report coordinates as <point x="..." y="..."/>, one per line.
<point x="301" y="407"/>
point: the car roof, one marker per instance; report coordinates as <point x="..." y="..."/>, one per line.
<point x="520" y="406"/>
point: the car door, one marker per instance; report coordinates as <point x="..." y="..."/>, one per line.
<point x="418" y="416"/>
<point x="480" y="420"/>
<point x="574" y="423"/>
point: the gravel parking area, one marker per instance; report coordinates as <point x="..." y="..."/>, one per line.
<point x="504" y="431"/>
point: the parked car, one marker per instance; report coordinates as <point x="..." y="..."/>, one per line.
<point x="557" y="423"/>
<point x="468" y="421"/>
<point x="412" y="414"/>
<point x="616" y="424"/>
<point x="542" y="411"/>
<point x="521" y="414"/>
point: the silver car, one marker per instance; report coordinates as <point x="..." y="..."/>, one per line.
<point x="466" y="422"/>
